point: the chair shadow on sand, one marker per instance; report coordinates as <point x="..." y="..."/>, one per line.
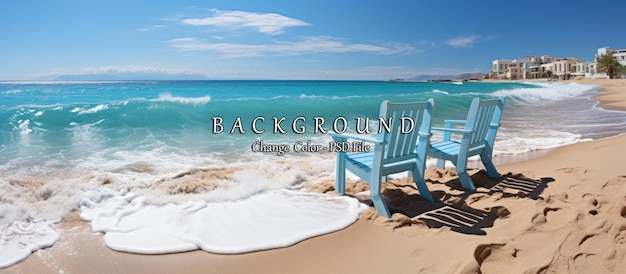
<point x="510" y="185"/>
<point x="454" y="211"/>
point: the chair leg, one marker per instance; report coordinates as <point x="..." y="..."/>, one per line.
<point x="485" y="157"/>
<point x="377" y="198"/>
<point x="461" y="169"/>
<point x="466" y="181"/>
<point x="441" y="163"/>
<point x="340" y="184"/>
<point x="418" y="178"/>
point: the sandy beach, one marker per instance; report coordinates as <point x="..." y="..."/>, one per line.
<point x="564" y="212"/>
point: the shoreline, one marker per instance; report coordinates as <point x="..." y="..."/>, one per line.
<point x="612" y="96"/>
<point x="543" y="215"/>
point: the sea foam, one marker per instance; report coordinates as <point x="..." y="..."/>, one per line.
<point x="547" y="91"/>
<point x="272" y="219"/>
<point x="18" y="239"/>
<point x="520" y="145"/>
<point x="95" y="109"/>
<point x="166" y="97"/>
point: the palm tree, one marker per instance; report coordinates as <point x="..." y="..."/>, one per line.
<point x="606" y="63"/>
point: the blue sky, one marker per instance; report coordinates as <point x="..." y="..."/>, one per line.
<point x="360" y="40"/>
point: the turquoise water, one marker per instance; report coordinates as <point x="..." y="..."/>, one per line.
<point x="127" y="147"/>
<point x="58" y="118"/>
<point x="75" y="119"/>
<point x="65" y="122"/>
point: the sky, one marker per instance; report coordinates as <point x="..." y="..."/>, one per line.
<point x="320" y="40"/>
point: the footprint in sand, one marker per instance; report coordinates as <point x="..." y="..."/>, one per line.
<point x="577" y="170"/>
<point x="615" y="192"/>
<point x="594" y="252"/>
<point x="484" y="251"/>
<point x="593" y="203"/>
<point x="496" y="258"/>
<point x="540" y="217"/>
<point x="561" y="197"/>
<point x="616" y="185"/>
<point x="552" y="218"/>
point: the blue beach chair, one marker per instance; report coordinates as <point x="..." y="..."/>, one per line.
<point x="393" y="152"/>
<point x="478" y="135"/>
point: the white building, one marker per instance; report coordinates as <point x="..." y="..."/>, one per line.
<point x="518" y="69"/>
<point x="619" y="55"/>
<point x="586" y="70"/>
<point x="535" y="67"/>
<point x="500" y="69"/>
<point x="603" y="51"/>
<point x="565" y="68"/>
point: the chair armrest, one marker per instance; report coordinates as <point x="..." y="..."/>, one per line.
<point x="451" y="129"/>
<point x="345" y="136"/>
<point x="456" y="121"/>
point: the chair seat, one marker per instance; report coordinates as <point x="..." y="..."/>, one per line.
<point x="365" y="160"/>
<point x="445" y="148"/>
<point x="452" y="148"/>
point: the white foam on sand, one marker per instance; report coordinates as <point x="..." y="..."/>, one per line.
<point x="21" y="238"/>
<point x="178" y="203"/>
<point x="272" y="219"/>
<point x="551" y="139"/>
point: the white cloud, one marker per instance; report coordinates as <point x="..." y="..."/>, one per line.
<point x="269" y="23"/>
<point x="306" y="45"/>
<point x="150" y="28"/>
<point x="463" y="41"/>
<point x="355" y="73"/>
<point x="136" y="69"/>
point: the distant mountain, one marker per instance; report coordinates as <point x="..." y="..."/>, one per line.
<point x="130" y="76"/>
<point x="462" y="76"/>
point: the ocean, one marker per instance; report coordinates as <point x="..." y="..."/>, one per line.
<point x="171" y="166"/>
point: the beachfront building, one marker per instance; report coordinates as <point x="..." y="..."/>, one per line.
<point x="529" y="67"/>
<point x="545" y="59"/>
<point x="586" y="70"/>
<point x="564" y="68"/>
<point x="547" y="66"/>
<point x="515" y="71"/>
<point x="618" y="54"/>
<point x="519" y="69"/>
<point x="499" y="69"/>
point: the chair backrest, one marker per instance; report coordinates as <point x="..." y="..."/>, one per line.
<point x="401" y="145"/>
<point x="483" y="119"/>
